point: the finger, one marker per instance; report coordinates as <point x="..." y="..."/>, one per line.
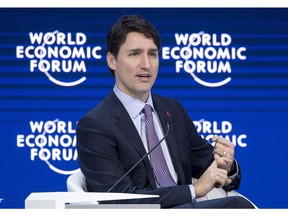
<point x="221" y="164"/>
<point x="227" y="160"/>
<point x="221" y="180"/>
<point x="222" y="184"/>
<point x="215" y="140"/>
<point x="228" y="181"/>
<point x="224" y="147"/>
<point x="226" y="156"/>
<point x="222" y="160"/>
<point x="219" y="151"/>
<point x="223" y="153"/>
<point x="224" y="163"/>
<point x="222" y="141"/>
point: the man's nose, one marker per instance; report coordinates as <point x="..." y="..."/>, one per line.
<point x="145" y="62"/>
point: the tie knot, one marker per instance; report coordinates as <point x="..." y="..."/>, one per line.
<point x="147" y="110"/>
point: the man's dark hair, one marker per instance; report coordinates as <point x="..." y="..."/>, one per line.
<point x="116" y="36"/>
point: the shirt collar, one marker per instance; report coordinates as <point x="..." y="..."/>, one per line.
<point x="133" y="106"/>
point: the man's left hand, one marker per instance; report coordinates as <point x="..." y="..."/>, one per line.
<point x="223" y="152"/>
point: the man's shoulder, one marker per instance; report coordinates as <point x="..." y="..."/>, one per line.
<point x="165" y="100"/>
<point x="99" y="109"/>
<point x="104" y="107"/>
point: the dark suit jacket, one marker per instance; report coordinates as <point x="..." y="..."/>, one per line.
<point x="109" y="145"/>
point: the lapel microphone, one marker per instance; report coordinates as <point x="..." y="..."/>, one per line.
<point x="168" y="116"/>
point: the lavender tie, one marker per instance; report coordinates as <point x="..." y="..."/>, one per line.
<point x="157" y="159"/>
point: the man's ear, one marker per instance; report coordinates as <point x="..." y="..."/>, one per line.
<point x="111" y="61"/>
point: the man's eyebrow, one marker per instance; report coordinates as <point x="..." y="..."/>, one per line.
<point x="136" y="49"/>
<point x="153" y="50"/>
<point x="140" y="50"/>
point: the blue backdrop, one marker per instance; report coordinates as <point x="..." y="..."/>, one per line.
<point x="228" y="66"/>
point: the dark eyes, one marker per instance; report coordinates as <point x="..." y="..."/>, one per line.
<point x="153" y="54"/>
<point x="136" y="53"/>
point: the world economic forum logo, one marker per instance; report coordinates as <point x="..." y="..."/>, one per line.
<point x="62" y="57"/>
<point x="53" y="142"/>
<point x="207" y="129"/>
<point x="206" y="57"/>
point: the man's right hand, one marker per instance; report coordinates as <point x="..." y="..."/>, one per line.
<point x="212" y="177"/>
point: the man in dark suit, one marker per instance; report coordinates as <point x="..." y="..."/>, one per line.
<point x="112" y="137"/>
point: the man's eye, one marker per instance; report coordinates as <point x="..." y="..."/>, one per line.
<point x="134" y="54"/>
<point x="153" y="54"/>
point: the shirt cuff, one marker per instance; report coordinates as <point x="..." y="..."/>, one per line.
<point x="235" y="171"/>
<point x="192" y="190"/>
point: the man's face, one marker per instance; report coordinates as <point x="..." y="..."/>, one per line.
<point x="136" y="66"/>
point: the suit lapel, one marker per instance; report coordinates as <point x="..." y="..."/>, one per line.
<point x="126" y="126"/>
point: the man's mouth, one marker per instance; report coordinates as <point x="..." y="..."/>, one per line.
<point x="144" y="75"/>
